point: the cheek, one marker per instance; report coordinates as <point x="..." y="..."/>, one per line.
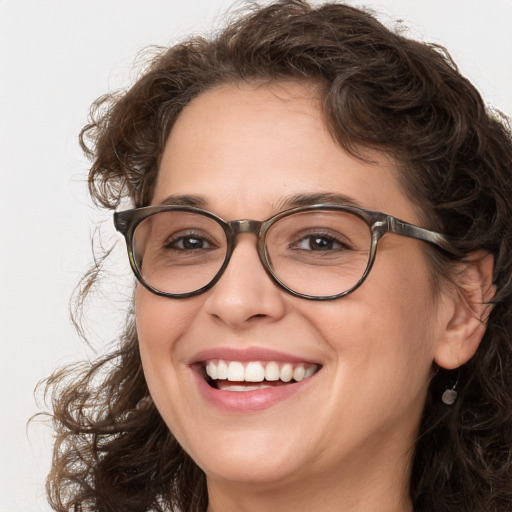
<point x="161" y="324"/>
<point x="383" y="334"/>
<point x="401" y="295"/>
<point x="161" y="321"/>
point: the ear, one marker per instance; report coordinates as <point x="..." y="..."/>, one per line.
<point x="465" y="310"/>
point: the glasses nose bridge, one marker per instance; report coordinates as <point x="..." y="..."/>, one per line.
<point x="245" y="226"/>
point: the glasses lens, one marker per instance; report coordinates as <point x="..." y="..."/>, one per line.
<point x="319" y="253"/>
<point x="178" y="252"/>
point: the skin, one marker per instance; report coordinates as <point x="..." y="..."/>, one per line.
<point x="344" y="441"/>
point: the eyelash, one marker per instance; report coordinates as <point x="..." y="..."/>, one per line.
<point x="174" y="239"/>
<point x="319" y="235"/>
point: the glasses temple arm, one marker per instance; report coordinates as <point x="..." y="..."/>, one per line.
<point x="411" y="231"/>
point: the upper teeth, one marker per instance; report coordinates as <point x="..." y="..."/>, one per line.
<point x="256" y="371"/>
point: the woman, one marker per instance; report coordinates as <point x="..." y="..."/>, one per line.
<point x="292" y="347"/>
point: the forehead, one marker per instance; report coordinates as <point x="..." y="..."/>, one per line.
<point x="244" y="149"/>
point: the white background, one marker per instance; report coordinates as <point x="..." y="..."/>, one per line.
<point x="56" y="57"/>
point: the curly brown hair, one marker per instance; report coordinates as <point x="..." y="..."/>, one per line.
<point x="380" y="91"/>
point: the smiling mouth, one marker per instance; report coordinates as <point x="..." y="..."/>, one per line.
<point x="255" y="375"/>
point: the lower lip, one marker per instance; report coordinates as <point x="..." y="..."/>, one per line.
<point x="247" y="401"/>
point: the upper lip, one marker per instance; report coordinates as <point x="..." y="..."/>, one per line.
<point x="248" y="354"/>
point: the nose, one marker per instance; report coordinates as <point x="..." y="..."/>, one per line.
<point x="245" y="294"/>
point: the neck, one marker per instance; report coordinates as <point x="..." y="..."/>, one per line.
<point x="379" y="489"/>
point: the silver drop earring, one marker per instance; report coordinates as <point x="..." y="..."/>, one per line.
<point x="449" y="395"/>
<point x="445" y="382"/>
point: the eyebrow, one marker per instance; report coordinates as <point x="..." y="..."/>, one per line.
<point x="185" y="200"/>
<point x="317" y="198"/>
<point x="286" y="203"/>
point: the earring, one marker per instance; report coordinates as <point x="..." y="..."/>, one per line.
<point x="449" y="395"/>
<point x="445" y="383"/>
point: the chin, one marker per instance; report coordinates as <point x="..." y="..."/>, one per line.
<point x="249" y="455"/>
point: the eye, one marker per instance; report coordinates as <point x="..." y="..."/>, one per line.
<point x="318" y="242"/>
<point x="188" y="243"/>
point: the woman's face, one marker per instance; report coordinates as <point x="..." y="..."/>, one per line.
<point x="243" y="152"/>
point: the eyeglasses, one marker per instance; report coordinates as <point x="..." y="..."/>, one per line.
<point x="317" y="252"/>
